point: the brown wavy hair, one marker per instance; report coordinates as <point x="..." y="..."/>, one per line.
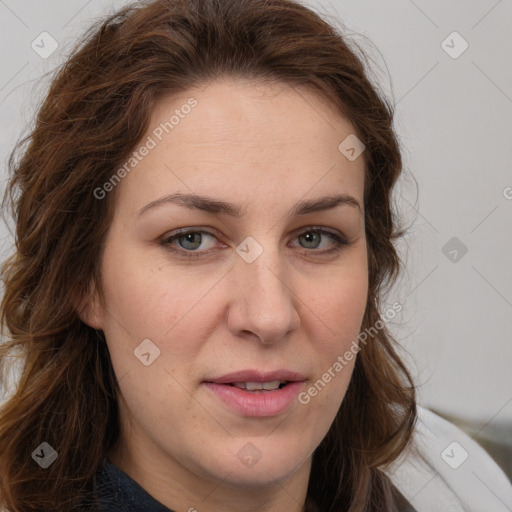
<point x="96" y="111"/>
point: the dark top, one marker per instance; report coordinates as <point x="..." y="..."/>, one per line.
<point x="117" y="492"/>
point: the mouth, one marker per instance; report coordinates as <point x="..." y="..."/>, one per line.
<point x="258" y="387"/>
<point x="257" y="394"/>
<point x="256" y="378"/>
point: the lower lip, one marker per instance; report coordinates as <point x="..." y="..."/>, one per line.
<point x="256" y="404"/>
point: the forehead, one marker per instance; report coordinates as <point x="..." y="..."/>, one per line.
<point x="253" y="140"/>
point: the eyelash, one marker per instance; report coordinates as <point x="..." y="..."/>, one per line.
<point x="340" y="242"/>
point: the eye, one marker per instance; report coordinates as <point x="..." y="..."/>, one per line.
<point x="192" y="240"/>
<point x="199" y="243"/>
<point x="313" y="238"/>
<point x="189" y="242"/>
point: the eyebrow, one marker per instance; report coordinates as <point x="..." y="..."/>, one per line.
<point x="216" y="207"/>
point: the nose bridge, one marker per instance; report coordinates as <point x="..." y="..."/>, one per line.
<point x="266" y="275"/>
<point x="264" y="302"/>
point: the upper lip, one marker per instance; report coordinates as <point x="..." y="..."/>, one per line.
<point x="258" y="376"/>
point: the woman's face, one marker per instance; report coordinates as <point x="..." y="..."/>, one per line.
<point x="206" y="294"/>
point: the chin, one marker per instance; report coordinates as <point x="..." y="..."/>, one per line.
<point x="257" y="462"/>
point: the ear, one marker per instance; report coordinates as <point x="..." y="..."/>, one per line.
<point x="88" y="307"/>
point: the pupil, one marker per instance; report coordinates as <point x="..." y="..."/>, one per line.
<point x="312" y="236"/>
<point x="192" y="238"/>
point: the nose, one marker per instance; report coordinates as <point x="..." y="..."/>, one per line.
<point x="263" y="303"/>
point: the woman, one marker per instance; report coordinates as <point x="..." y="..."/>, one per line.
<point x="204" y="234"/>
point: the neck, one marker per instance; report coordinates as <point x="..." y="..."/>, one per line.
<point x="181" y="489"/>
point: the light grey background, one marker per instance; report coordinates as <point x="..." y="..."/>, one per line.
<point x="453" y="117"/>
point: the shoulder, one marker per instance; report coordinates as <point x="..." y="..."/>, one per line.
<point x="445" y="469"/>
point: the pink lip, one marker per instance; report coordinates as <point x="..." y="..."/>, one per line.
<point x="257" y="376"/>
<point x="257" y="404"/>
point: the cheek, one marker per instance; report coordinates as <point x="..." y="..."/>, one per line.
<point x="339" y="302"/>
<point x="336" y="316"/>
<point x="149" y="300"/>
<point x="145" y="303"/>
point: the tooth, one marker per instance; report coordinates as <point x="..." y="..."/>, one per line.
<point x="271" y="385"/>
<point x="252" y="386"/>
<point x="259" y="386"/>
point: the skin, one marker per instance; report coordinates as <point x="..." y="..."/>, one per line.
<point x="265" y="147"/>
